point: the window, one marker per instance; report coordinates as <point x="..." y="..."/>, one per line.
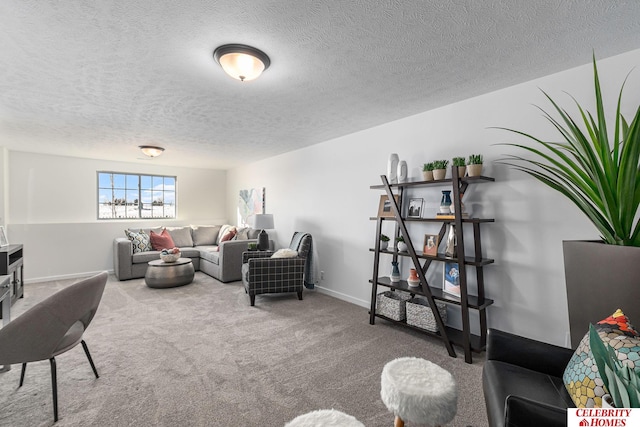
<point x="130" y="196"/>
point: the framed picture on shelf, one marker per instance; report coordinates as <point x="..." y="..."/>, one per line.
<point x="3" y="237"/>
<point x="431" y="242"/>
<point x="415" y="208"/>
<point x="384" y="210"/>
<point x="451" y="276"/>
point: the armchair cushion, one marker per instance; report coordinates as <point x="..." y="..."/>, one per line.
<point x="285" y="253"/>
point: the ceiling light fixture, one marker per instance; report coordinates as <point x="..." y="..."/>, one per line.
<point x="151" y="150"/>
<point x="241" y="62"/>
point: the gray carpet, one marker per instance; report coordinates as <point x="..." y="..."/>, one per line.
<point x="199" y="355"/>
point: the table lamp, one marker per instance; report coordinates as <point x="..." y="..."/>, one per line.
<point x="263" y="221"/>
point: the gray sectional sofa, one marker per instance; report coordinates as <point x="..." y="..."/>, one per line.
<point x="221" y="260"/>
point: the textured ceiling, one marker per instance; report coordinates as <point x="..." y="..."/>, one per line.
<point x="98" y="78"/>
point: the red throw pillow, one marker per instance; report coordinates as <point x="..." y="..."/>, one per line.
<point x="161" y="241"/>
<point x="230" y="235"/>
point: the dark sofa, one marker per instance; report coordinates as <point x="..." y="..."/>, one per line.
<point x="522" y="382"/>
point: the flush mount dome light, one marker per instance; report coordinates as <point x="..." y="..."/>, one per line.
<point x="241" y="62"/>
<point x="151" y="150"/>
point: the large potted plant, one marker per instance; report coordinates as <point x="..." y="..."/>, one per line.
<point x="596" y="167"/>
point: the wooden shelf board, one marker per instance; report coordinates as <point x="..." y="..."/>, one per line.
<point x="469" y="220"/>
<point x="448" y="181"/>
<point x="441" y="257"/>
<point x="455" y="335"/>
<point x="472" y="300"/>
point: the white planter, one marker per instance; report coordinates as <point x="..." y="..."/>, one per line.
<point x="402" y="246"/>
<point x="383" y="245"/>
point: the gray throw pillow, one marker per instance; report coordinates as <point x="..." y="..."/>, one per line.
<point x="252" y="233"/>
<point x="204" y="234"/>
<point x="181" y="236"/>
<point x="242" y="234"/>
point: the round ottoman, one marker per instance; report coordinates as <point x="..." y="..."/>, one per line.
<point x="324" y="418"/>
<point x="418" y="391"/>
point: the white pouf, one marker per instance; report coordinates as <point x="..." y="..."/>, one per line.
<point x="418" y="391"/>
<point x="324" y="418"/>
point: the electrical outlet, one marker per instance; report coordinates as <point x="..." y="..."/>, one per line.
<point x="322" y="275"/>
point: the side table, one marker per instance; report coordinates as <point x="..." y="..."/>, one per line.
<point x="5" y="300"/>
<point x="162" y="274"/>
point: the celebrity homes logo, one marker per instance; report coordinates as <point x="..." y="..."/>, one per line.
<point x="603" y="417"/>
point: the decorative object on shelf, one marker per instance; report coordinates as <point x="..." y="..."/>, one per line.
<point x="427" y="171"/>
<point x="392" y="168"/>
<point x="252" y="246"/>
<point x="431" y="244"/>
<point x="450" y="249"/>
<point x="401" y="245"/>
<point x="384" y="242"/>
<point x="440" y="169"/>
<point x="395" y="272"/>
<point x="420" y="314"/>
<point x="474" y="165"/>
<point x="596" y="170"/>
<point x="413" y="280"/>
<point x="451" y="278"/>
<point x="415" y="208"/>
<point x="3" y="237"/>
<point x="263" y="222"/>
<point x="402" y="171"/>
<point x="461" y="164"/>
<point x="392" y="304"/>
<point x="170" y="255"/>
<point x="463" y="211"/>
<point x="241" y="62"/>
<point x="384" y="208"/>
<point x="445" y="202"/>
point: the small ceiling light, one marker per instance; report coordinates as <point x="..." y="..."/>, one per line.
<point x="151" y="150"/>
<point x="241" y="62"/>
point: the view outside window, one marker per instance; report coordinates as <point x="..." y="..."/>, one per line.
<point x="130" y="196"/>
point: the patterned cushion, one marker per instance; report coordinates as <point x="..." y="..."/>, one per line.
<point x="581" y="377"/>
<point x="140" y="241"/>
<point x="161" y="241"/>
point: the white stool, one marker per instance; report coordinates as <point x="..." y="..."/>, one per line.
<point x="324" y="418"/>
<point x="418" y="391"/>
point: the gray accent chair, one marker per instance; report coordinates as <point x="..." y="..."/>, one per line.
<point x="53" y="327"/>
<point x="262" y="274"/>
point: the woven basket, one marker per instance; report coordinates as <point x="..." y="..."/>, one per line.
<point x="420" y="314"/>
<point x="392" y="304"/>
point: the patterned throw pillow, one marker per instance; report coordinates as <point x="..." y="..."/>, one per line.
<point x="581" y="377"/>
<point x="140" y="241"/>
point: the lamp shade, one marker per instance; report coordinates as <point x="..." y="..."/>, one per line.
<point x="241" y="62"/>
<point x="263" y="222"/>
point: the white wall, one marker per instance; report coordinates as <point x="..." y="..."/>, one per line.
<point x="53" y="210"/>
<point x="324" y="190"/>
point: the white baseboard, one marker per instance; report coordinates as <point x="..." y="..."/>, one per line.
<point x="65" y="276"/>
<point x="343" y="297"/>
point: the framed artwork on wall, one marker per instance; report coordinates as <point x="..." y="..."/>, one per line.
<point x="250" y="203"/>
<point x="384" y="209"/>
<point x="3" y="237"/>
<point x="415" y="208"/>
<point x="451" y="275"/>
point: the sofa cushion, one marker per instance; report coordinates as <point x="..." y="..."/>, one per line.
<point x="189" y="253"/>
<point x="140" y="241"/>
<point x="581" y="377"/>
<point x="242" y="233"/>
<point x="144" y="257"/>
<point x="210" y="253"/>
<point x="204" y="234"/>
<point x="224" y="230"/>
<point x="252" y="233"/>
<point x="181" y="236"/>
<point x="161" y="241"/>
<point x="230" y="235"/>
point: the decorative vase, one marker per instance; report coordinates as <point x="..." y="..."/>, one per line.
<point x="462" y="170"/>
<point x="392" y="168"/>
<point x="383" y="245"/>
<point x="402" y="247"/>
<point x="445" y="202"/>
<point x="413" y="279"/>
<point x="402" y="171"/>
<point x="439" y="174"/>
<point x="427" y="175"/>
<point x="395" y="272"/>
<point x="450" y="249"/>
<point x="474" y="170"/>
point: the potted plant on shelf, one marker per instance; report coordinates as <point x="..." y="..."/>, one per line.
<point x="461" y="164"/>
<point x="598" y="171"/>
<point x="474" y="165"/>
<point x="401" y="245"/>
<point x="384" y="242"/>
<point x="440" y="169"/>
<point x="621" y="382"/>
<point x="427" y="171"/>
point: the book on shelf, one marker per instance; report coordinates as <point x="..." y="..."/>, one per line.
<point x="451" y="216"/>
